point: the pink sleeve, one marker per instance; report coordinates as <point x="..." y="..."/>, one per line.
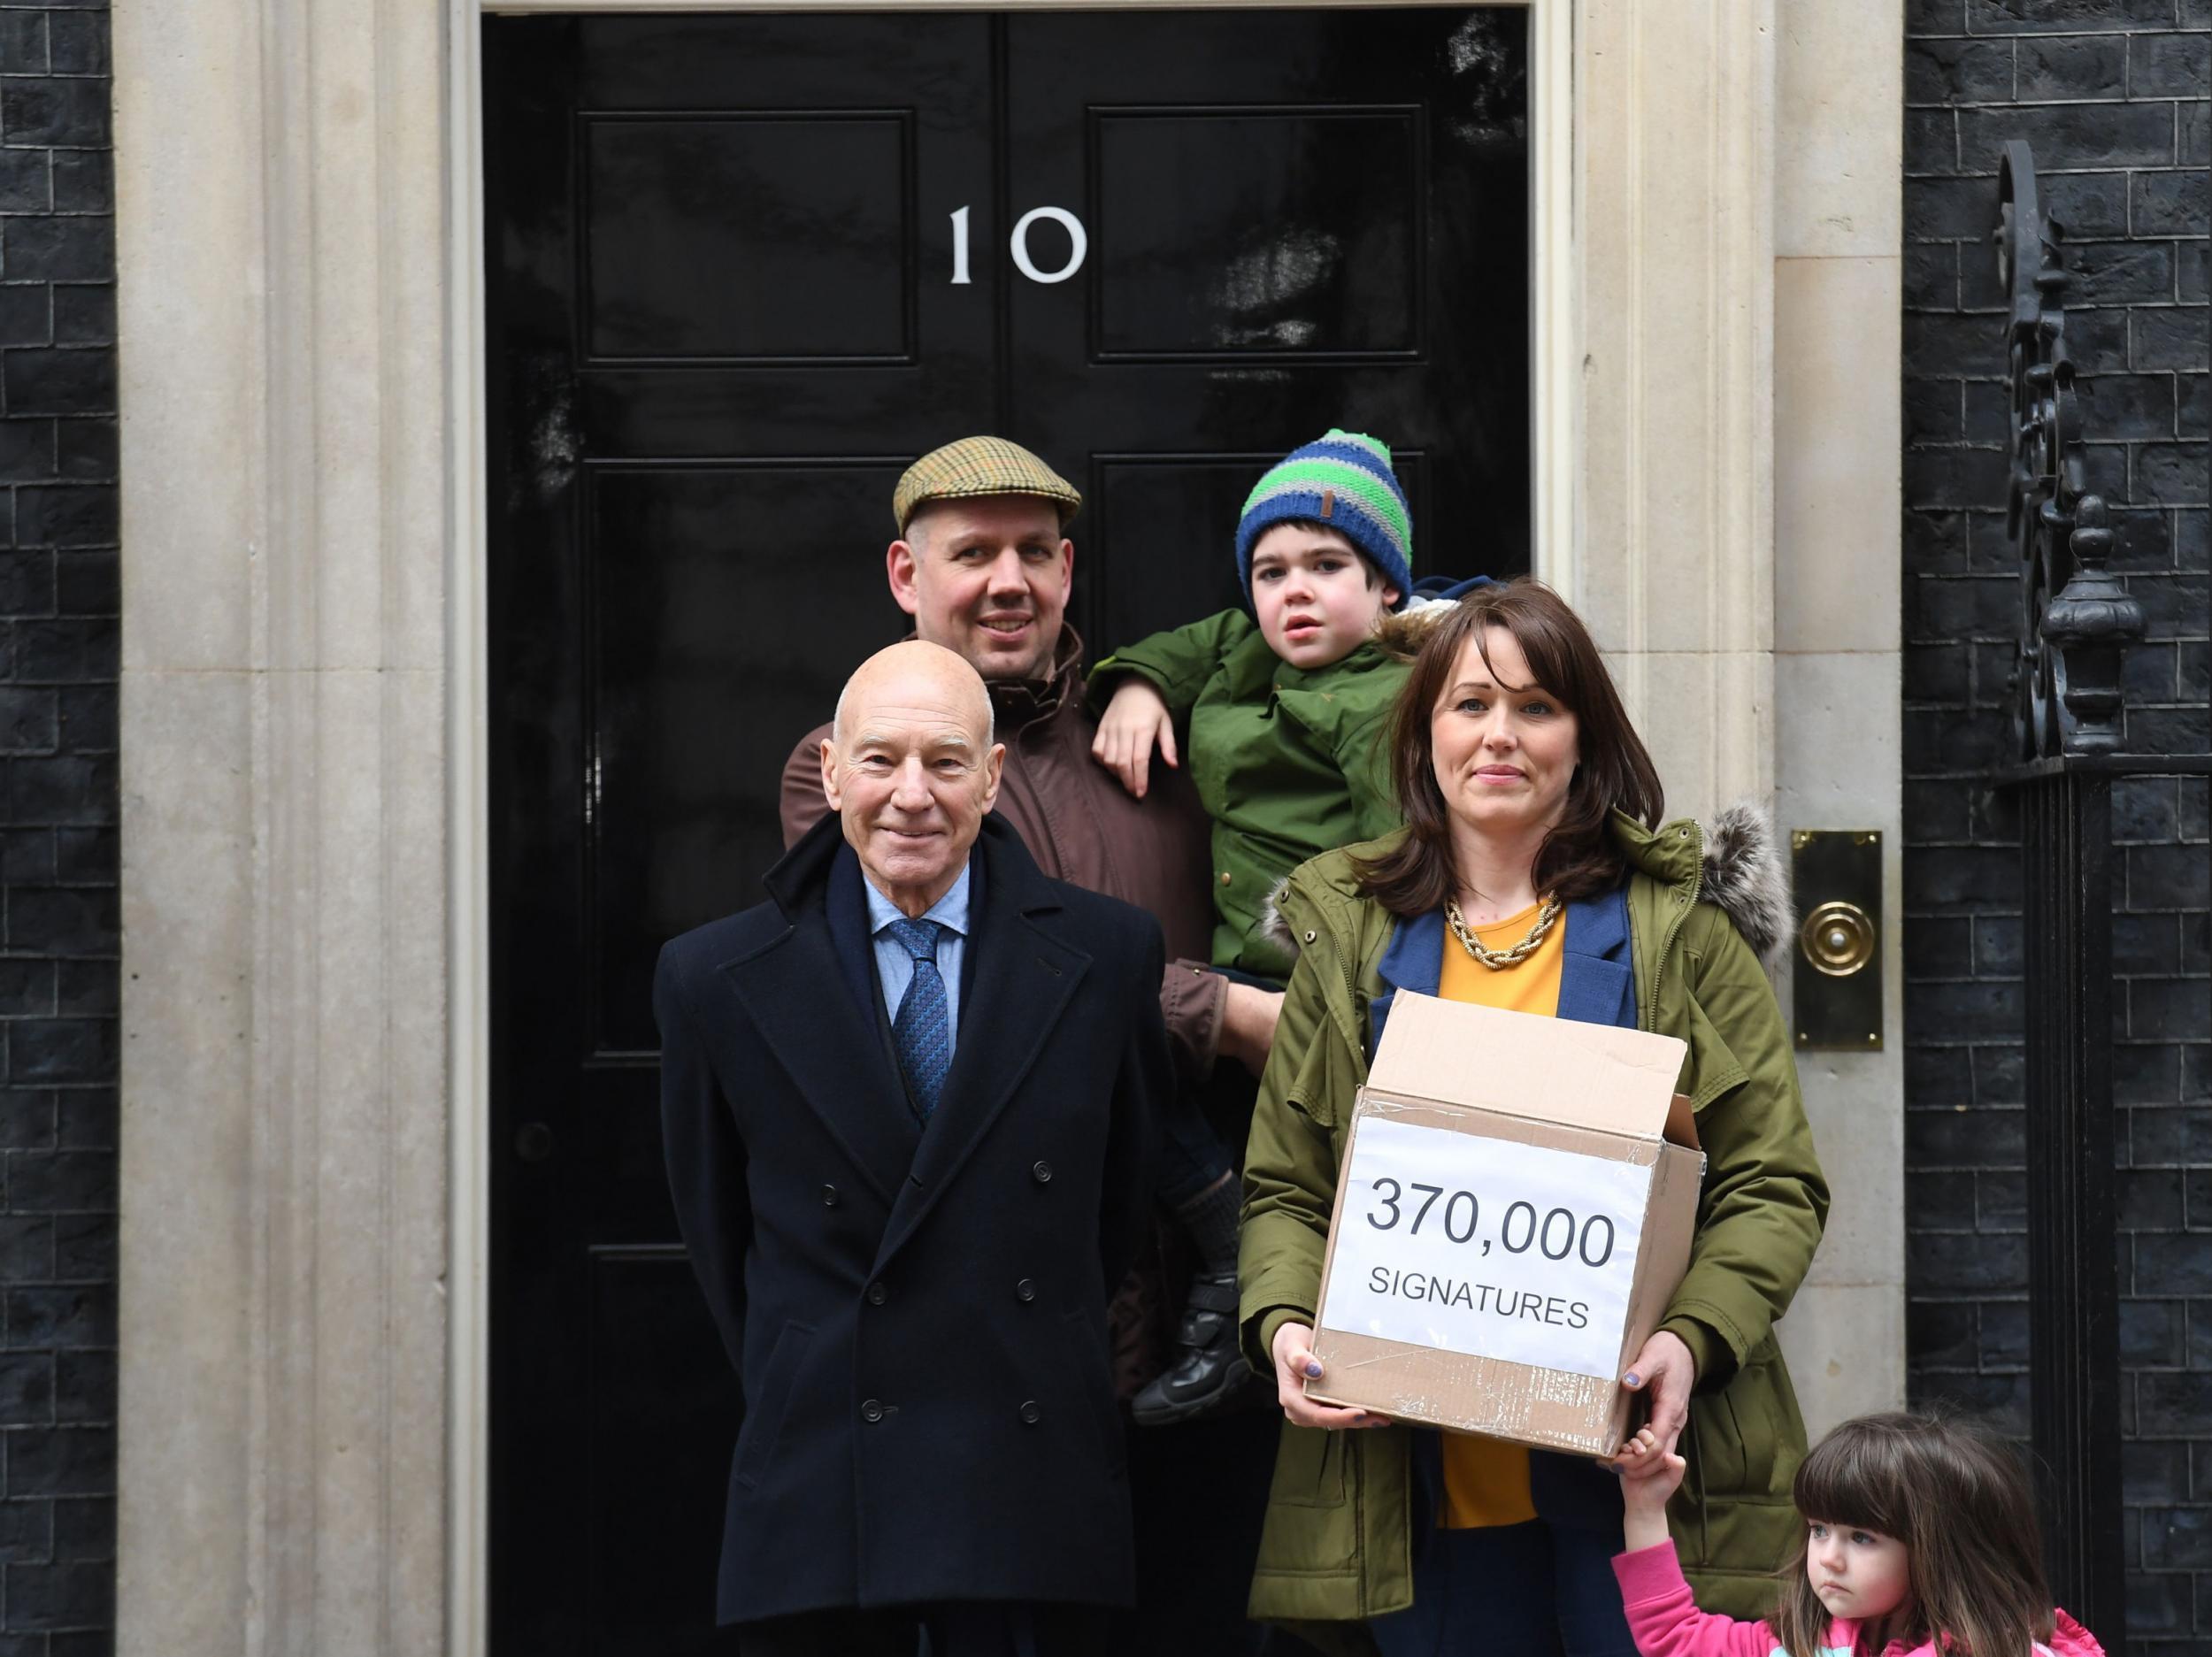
<point x="1665" y="1620"/>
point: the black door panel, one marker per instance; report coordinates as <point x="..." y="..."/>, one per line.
<point x="720" y="265"/>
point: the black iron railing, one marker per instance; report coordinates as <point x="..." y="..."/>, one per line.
<point x="2076" y="620"/>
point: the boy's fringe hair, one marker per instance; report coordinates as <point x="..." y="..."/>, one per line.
<point x="1958" y="1499"/>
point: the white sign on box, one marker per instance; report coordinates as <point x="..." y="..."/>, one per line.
<point x="1523" y="1253"/>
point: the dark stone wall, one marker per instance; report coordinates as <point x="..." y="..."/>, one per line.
<point x="58" y="843"/>
<point x="2113" y="95"/>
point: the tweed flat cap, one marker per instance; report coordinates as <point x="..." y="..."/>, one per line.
<point x="977" y="466"/>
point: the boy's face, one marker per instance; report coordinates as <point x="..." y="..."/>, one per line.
<point x="1316" y="597"/>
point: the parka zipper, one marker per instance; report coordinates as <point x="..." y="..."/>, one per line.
<point x="1647" y="1017"/>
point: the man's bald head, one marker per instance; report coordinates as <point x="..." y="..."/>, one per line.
<point x="916" y="656"/>
<point x="910" y="768"/>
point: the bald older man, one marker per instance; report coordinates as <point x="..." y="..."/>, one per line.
<point x="907" y="1103"/>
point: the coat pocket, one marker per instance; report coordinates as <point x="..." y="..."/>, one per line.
<point x="1308" y="1469"/>
<point x="766" y="1404"/>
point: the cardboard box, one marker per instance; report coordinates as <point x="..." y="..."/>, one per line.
<point x="1514" y="1213"/>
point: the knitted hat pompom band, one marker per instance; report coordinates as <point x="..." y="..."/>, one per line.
<point x="1344" y="481"/>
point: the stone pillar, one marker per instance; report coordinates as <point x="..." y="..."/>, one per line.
<point x="1838" y="343"/>
<point x="283" y="382"/>
<point x="1672" y="563"/>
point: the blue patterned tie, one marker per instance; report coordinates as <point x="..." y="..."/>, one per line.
<point x="922" y="1030"/>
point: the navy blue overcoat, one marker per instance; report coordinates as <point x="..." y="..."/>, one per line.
<point x="917" y="1315"/>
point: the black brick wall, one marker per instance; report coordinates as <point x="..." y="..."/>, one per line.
<point x="57" y="846"/>
<point x="2113" y="95"/>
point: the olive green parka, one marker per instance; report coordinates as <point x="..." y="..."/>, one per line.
<point x="1337" y="1542"/>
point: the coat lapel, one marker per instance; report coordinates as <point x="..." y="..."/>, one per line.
<point x="809" y="998"/>
<point x="1413" y="960"/>
<point x="1021" y="978"/>
<point x="1595" y="979"/>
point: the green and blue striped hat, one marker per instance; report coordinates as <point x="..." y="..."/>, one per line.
<point x="1343" y="481"/>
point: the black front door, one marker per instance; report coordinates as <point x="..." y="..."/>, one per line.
<point x="741" y="271"/>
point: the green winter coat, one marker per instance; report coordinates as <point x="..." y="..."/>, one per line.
<point x="1337" y="1545"/>
<point x="1288" y="764"/>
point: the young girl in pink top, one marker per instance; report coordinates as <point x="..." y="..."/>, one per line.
<point x="1915" y="1528"/>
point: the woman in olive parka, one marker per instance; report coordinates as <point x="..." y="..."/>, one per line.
<point x="1533" y="849"/>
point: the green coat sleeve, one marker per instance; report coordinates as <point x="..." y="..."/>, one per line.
<point x="1176" y="664"/>
<point x="1290" y="1162"/>
<point x="1765" y="1199"/>
<point x="1363" y="757"/>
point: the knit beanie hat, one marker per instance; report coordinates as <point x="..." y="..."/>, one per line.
<point x="1345" y="482"/>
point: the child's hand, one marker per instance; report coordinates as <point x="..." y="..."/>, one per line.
<point x="1135" y="721"/>
<point x="1649" y="1475"/>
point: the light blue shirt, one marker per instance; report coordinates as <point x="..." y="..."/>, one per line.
<point x="895" y="967"/>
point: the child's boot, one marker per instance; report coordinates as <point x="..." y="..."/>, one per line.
<point x="1209" y="1368"/>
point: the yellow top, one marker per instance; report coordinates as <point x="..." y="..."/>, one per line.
<point x="1485" y="1480"/>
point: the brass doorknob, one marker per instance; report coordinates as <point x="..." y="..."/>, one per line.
<point x="1837" y="938"/>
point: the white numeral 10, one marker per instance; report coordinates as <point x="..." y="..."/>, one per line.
<point x="1018" y="245"/>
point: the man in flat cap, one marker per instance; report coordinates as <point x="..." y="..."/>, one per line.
<point x="984" y="564"/>
<point x="906" y="1103"/>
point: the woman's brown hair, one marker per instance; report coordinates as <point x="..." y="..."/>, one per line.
<point x="1578" y="858"/>
<point x="1958" y="1499"/>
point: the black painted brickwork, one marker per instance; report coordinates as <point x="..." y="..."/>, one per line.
<point x="58" y="845"/>
<point x="2113" y="95"/>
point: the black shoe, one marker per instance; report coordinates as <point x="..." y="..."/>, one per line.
<point x="1210" y="1371"/>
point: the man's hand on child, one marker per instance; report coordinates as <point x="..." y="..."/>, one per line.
<point x="1135" y="722"/>
<point x="1650" y="1474"/>
<point x="1249" y="1015"/>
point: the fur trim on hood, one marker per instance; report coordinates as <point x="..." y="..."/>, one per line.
<point x="1743" y="875"/>
<point x="1401" y="632"/>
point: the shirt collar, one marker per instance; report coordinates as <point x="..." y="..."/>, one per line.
<point x="950" y="911"/>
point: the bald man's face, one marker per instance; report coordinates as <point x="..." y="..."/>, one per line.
<point x="910" y="771"/>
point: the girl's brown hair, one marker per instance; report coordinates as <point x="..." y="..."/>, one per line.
<point x="1578" y="858"/>
<point x="1958" y="1499"/>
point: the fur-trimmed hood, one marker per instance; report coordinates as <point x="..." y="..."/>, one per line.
<point x="1738" y="869"/>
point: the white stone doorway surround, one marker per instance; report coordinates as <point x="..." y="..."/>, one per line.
<point x="1715" y="261"/>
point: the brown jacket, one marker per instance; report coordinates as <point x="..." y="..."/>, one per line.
<point x="1082" y="828"/>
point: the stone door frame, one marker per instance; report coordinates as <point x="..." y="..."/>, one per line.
<point x="306" y="1012"/>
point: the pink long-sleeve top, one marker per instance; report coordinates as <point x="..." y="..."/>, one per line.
<point x="1666" y="1622"/>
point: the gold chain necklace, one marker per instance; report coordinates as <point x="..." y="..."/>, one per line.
<point x="1499" y="960"/>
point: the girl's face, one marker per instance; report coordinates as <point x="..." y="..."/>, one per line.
<point x="1857" y="1573"/>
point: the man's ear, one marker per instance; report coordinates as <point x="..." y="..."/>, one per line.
<point x="830" y="792"/>
<point x="994" y="768"/>
<point x="898" y="566"/>
<point x="1067" y="566"/>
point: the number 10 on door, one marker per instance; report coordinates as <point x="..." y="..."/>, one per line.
<point x="1018" y="245"/>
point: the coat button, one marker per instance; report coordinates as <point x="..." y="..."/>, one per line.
<point x="877" y="1294"/>
<point x="1030" y="1414"/>
<point x="872" y="1410"/>
<point x="1024" y="1290"/>
<point x="1041" y="1171"/>
<point x="1225" y="877"/>
<point x="829" y="1196"/>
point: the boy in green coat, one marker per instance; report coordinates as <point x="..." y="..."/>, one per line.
<point x="1287" y="712"/>
<point x="1287" y="709"/>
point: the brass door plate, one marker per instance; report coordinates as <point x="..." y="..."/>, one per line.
<point x="1836" y="958"/>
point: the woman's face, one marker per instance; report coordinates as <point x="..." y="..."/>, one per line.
<point x="1503" y="748"/>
